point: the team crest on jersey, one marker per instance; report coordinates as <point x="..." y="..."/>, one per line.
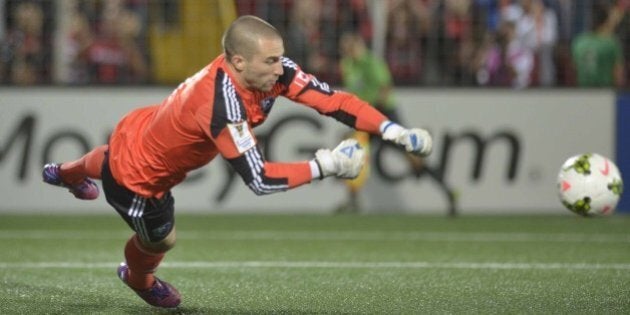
<point x="267" y="103"/>
<point x="242" y="137"/>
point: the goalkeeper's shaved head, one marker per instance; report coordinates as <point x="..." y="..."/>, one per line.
<point x="243" y="35"/>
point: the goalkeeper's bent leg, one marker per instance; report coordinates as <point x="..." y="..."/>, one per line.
<point x="88" y="165"/>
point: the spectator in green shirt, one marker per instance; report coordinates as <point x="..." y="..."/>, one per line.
<point x="597" y="54"/>
<point x="369" y="77"/>
<point x="365" y="74"/>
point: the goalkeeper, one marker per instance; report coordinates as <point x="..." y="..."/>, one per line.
<point x="213" y="113"/>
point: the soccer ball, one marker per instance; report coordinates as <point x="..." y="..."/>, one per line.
<point x="590" y="185"/>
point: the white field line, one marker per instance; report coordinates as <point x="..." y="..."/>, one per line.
<point x="273" y="235"/>
<point x="333" y="265"/>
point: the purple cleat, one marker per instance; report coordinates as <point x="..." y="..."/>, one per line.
<point x="86" y="190"/>
<point x="161" y="294"/>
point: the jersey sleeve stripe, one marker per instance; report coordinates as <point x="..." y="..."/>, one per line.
<point x="232" y="100"/>
<point x="289" y="69"/>
<point x="228" y="106"/>
<point x="255" y="167"/>
<point x="251" y="168"/>
<point x="262" y="183"/>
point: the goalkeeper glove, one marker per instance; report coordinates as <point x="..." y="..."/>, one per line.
<point x="417" y="141"/>
<point x="344" y="161"/>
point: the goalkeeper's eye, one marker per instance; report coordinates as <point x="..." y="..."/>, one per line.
<point x="271" y="60"/>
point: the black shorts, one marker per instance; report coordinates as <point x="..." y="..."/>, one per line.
<point x="151" y="218"/>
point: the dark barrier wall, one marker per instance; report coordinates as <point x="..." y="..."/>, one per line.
<point x="623" y="147"/>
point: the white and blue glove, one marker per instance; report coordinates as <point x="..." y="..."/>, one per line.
<point x="417" y="141"/>
<point x="344" y="161"/>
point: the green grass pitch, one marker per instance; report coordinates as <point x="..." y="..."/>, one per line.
<point x="314" y="264"/>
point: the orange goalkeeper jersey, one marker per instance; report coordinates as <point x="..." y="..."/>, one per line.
<point x="153" y="148"/>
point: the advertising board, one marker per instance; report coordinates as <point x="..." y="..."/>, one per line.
<point x="495" y="151"/>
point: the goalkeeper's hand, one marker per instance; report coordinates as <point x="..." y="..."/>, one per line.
<point x="416" y="140"/>
<point x="344" y="161"/>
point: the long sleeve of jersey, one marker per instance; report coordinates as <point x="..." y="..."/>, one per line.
<point x="264" y="177"/>
<point x="347" y="108"/>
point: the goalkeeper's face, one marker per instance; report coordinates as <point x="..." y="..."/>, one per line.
<point x="263" y="68"/>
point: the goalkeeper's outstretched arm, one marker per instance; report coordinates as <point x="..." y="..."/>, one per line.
<point x="347" y="108"/>
<point x="263" y="177"/>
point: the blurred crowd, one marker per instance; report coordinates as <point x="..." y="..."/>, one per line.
<point x="96" y="42"/>
<point x="508" y="43"/>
